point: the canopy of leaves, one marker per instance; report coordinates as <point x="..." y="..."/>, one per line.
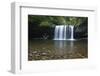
<point x="50" y="21"/>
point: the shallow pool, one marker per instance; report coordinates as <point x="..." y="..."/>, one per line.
<point x="39" y="49"/>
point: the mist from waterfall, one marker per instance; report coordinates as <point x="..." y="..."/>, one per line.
<point x="64" y="32"/>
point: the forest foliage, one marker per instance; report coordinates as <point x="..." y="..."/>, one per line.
<point x="51" y="21"/>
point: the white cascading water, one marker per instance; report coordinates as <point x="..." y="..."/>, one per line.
<point x="72" y="33"/>
<point x="62" y="32"/>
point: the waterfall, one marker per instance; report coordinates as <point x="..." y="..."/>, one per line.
<point x="63" y="32"/>
<point x="72" y="32"/>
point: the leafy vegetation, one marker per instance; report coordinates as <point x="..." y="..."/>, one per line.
<point x="51" y="21"/>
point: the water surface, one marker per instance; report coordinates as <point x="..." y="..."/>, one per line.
<point x="57" y="49"/>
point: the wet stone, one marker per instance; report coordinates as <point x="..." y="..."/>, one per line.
<point x="37" y="55"/>
<point x="30" y="54"/>
<point x="44" y="53"/>
<point x="34" y="52"/>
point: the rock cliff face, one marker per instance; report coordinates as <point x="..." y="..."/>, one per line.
<point x="81" y="31"/>
<point x="38" y="32"/>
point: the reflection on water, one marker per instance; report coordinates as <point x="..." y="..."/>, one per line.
<point x="57" y="49"/>
<point x="62" y="47"/>
<point x="63" y="44"/>
<point x="59" y="43"/>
